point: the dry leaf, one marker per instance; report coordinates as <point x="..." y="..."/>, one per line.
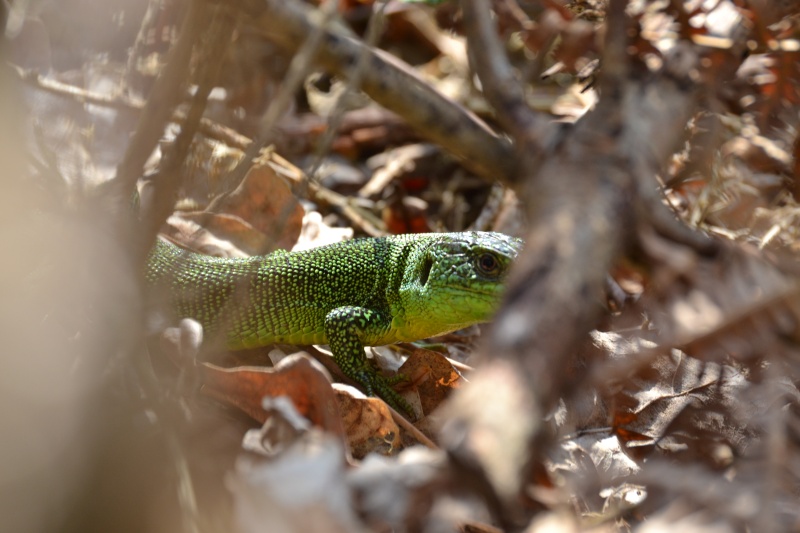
<point x="368" y="423"/>
<point x="265" y="200"/>
<point x="299" y="377"/>
<point x="304" y="489"/>
<point x="433" y="377"/>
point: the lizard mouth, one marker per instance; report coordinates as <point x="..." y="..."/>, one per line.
<point x="487" y="295"/>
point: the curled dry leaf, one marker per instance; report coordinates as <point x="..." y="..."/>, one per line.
<point x="679" y="396"/>
<point x="433" y="377"/>
<point x="283" y="427"/>
<point x="598" y="457"/>
<point x="266" y="201"/>
<point x="298" y="377"/>
<point x="737" y="306"/>
<point x="368" y="423"/>
<point x="259" y="216"/>
<point x="303" y="489"/>
<point x="400" y="492"/>
<point x="217" y="234"/>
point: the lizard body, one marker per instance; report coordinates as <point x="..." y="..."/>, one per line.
<point x="365" y="292"/>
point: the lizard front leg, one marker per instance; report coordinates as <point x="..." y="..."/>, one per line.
<point x="346" y="329"/>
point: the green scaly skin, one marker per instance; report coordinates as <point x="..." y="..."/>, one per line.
<point x="365" y="292"/>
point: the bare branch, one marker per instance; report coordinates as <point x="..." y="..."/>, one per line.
<point x="503" y="89"/>
<point x="392" y="84"/>
<point x="163" y="98"/>
<point x="584" y="206"/>
<point x="169" y="178"/>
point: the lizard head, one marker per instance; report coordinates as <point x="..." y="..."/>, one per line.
<point x="454" y="280"/>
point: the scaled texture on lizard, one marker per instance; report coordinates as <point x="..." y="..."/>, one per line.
<point x="365" y="292"/>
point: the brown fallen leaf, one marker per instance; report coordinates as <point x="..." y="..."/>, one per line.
<point x="265" y="200"/>
<point x="220" y="235"/>
<point x="433" y="376"/>
<point x="259" y="216"/>
<point x="298" y="377"/>
<point x="368" y="423"/>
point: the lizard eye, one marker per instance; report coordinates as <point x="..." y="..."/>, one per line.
<point x="487" y="264"/>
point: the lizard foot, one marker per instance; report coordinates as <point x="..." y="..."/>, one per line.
<point x="381" y="386"/>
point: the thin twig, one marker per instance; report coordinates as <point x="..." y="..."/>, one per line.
<point x="298" y="70"/>
<point x="374" y="28"/>
<point x="208" y="127"/>
<point x="501" y="87"/>
<point x="165" y="95"/>
<point x="168" y="181"/>
<point x="392" y="84"/>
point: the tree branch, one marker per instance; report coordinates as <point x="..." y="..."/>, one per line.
<point x="392" y="84"/>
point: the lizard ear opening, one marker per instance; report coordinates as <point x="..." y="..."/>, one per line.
<point x="425" y="271"/>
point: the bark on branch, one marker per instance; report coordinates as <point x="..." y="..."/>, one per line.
<point x="585" y="201"/>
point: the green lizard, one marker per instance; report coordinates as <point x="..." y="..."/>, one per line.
<point x="365" y="292"/>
